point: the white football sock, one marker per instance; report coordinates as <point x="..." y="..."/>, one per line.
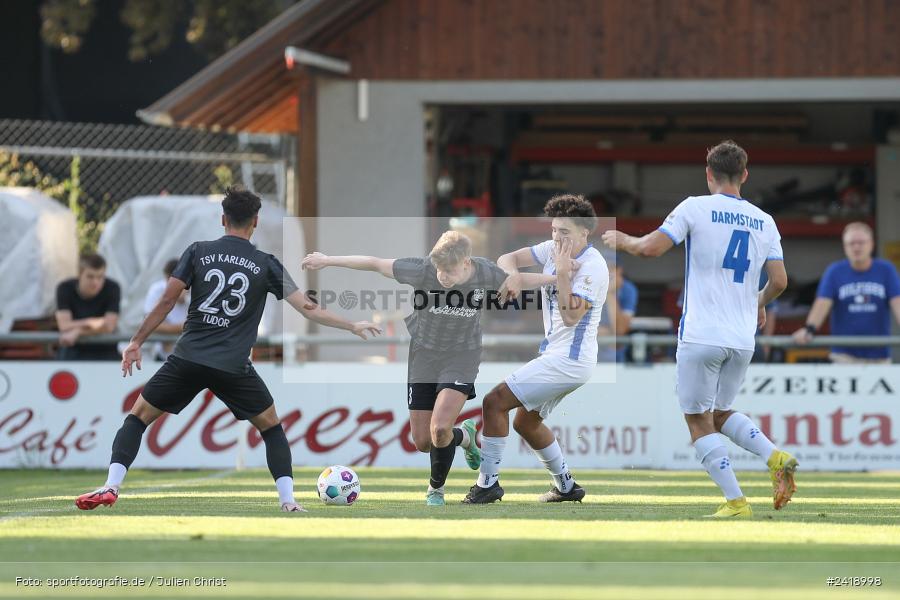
<point x="713" y="455"/>
<point x="491" y="457"/>
<point x="464" y="444"/>
<point x="116" y="475"/>
<point x="285" y="487"/>
<point x="744" y="432"/>
<point x="553" y="459"/>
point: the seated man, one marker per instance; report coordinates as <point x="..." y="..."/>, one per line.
<point x="174" y="321"/>
<point x="86" y="306"/>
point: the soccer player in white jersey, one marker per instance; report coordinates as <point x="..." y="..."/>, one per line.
<point x="728" y="241"/>
<point x="568" y="354"/>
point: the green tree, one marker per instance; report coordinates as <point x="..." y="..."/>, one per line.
<point x="224" y="179"/>
<point x="15" y="173"/>
<point x="213" y="26"/>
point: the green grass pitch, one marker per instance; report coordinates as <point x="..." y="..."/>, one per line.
<point x="639" y="534"/>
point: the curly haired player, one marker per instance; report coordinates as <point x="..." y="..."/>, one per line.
<point x="568" y="354"/>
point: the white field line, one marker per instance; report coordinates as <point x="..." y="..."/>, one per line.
<point x="143" y="490"/>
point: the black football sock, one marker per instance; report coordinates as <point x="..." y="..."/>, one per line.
<point x="128" y="441"/>
<point x="441" y="461"/>
<point x="278" y="452"/>
<point x="457" y="437"/>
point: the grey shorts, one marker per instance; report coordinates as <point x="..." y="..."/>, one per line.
<point x="708" y="377"/>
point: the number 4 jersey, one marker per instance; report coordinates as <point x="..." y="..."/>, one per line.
<point x="727" y="241"/>
<point x="229" y="279"/>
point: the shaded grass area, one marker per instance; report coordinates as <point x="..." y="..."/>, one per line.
<point x="527" y="581"/>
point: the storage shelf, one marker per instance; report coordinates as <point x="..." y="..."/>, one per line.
<point x="792" y="227"/>
<point x="662" y="154"/>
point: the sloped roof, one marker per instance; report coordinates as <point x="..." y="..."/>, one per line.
<point x="248" y="87"/>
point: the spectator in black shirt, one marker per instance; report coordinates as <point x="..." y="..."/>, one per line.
<point x="87" y="306"/>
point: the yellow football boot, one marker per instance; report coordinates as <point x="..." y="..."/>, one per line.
<point x="737" y="508"/>
<point x="781" y="469"/>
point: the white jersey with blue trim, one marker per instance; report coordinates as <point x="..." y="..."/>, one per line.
<point x="590" y="282"/>
<point x="727" y="242"/>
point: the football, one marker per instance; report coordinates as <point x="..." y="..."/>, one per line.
<point x="338" y="485"/>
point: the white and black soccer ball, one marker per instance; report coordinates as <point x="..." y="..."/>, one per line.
<point x="338" y="485"/>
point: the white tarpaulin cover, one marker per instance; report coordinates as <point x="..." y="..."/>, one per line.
<point x="38" y="249"/>
<point x="148" y="231"/>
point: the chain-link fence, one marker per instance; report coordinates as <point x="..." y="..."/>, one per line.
<point x="95" y="167"/>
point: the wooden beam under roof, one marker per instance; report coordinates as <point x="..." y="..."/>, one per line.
<point x="200" y="101"/>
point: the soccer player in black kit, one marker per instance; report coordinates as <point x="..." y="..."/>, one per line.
<point x="229" y="281"/>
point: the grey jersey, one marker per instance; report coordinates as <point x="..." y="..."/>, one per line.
<point x="229" y="280"/>
<point x="448" y="319"/>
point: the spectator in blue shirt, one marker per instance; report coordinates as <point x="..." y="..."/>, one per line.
<point x="861" y="293"/>
<point x="618" y="310"/>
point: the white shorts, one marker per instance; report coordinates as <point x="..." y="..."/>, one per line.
<point x="708" y="377"/>
<point x="542" y="383"/>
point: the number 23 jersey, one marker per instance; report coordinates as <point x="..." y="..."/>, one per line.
<point x="727" y="241"/>
<point x="229" y="280"/>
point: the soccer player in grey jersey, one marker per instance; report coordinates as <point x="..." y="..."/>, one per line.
<point x="445" y="351"/>
<point x="229" y="279"/>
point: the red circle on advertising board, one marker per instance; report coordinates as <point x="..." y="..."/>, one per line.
<point x="63" y="385"/>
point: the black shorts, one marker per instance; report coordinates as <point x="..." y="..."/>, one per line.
<point x="179" y="381"/>
<point x="431" y="371"/>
